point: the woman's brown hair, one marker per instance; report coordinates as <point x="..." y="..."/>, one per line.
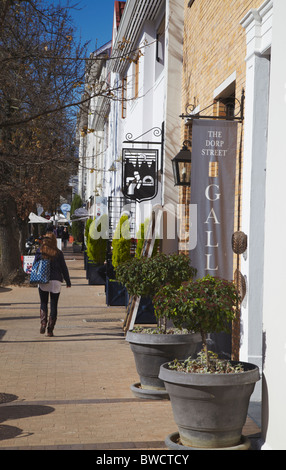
<point x="49" y="247"/>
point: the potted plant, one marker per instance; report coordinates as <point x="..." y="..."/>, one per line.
<point x="86" y="236"/>
<point x="116" y="293"/>
<point x="96" y="245"/>
<point x="145" y="313"/>
<point x="209" y="396"/>
<point x="151" y="346"/>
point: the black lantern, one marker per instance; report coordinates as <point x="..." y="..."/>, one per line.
<point x="182" y="166"/>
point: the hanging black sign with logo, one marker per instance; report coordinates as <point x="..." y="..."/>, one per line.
<point x="140" y="174"/>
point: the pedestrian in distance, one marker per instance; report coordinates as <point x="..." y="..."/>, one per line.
<point x="65" y="236"/>
<point x="58" y="271"/>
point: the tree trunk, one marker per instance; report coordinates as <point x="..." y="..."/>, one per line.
<point x="23" y="234"/>
<point x="11" y="271"/>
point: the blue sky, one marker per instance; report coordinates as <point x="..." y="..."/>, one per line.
<point x="94" y="21"/>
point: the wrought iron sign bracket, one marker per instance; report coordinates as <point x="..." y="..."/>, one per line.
<point x="190" y="114"/>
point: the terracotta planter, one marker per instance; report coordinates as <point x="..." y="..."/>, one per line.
<point x="210" y="410"/>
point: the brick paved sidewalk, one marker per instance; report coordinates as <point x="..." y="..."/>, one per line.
<point x="72" y="391"/>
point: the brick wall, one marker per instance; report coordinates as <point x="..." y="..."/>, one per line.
<point x="214" y="46"/>
<point x="214" y="49"/>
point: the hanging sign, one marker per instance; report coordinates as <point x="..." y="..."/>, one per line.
<point x="140" y="174"/>
<point x="213" y="191"/>
<point x="65" y="208"/>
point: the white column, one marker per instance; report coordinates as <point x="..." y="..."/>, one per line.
<point x="256" y="24"/>
<point x="274" y="308"/>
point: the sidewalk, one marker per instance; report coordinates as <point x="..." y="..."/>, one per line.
<point x="72" y="391"/>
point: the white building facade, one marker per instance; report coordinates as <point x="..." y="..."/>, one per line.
<point x="144" y="72"/>
<point x="263" y="314"/>
<point x="147" y="75"/>
<point x="143" y="105"/>
<point x="274" y="319"/>
<point x="92" y="137"/>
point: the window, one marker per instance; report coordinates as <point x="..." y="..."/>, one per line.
<point x="124" y="98"/>
<point x="136" y="77"/>
<point x="227" y="107"/>
<point x="224" y="99"/>
<point x="160" y="45"/>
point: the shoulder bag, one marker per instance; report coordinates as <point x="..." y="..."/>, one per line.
<point x="40" y="272"/>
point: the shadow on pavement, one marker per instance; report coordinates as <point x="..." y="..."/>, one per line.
<point x="10" y="432"/>
<point x="10" y="412"/>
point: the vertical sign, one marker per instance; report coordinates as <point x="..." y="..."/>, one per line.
<point x="213" y="191"/>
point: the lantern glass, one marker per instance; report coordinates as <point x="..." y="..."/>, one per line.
<point x="182" y="167"/>
<point x="184" y="172"/>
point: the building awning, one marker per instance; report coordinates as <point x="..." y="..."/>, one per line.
<point x="36" y="219"/>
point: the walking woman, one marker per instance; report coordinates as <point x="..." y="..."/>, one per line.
<point x="58" y="272"/>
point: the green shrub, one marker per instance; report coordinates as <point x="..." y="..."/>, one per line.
<point x="145" y="276"/>
<point x="121" y="243"/>
<point x="96" y="239"/>
<point x="141" y="239"/>
<point x="207" y="305"/>
<point x="77" y="226"/>
<point x="86" y="230"/>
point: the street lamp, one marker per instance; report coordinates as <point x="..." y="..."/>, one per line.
<point x="182" y="166"/>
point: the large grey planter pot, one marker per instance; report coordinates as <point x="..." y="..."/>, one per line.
<point x="210" y="410"/>
<point x="151" y="351"/>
